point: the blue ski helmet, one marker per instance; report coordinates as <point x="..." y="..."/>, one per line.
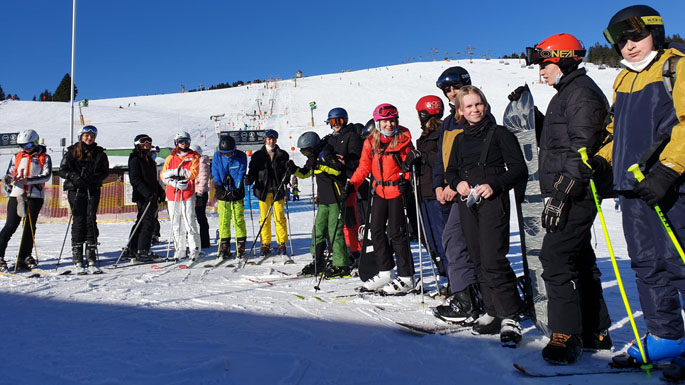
<point x="337" y="113"/>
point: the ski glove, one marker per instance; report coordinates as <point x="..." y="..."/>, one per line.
<point x="599" y="168"/>
<point x="566" y="186"/>
<point x="179" y="184"/>
<point x="248" y="180"/>
<point x="311" y="163"/>
<point x="413" y="158"/>
<point x="555" y="215"/>
<point x="656" y="184"/>
<point x="292" y="168"/>
<point x="348" y="190"/>
<point x="404" y="186"/>
<point x="516" y="94"/>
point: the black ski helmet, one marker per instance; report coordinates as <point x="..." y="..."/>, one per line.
<point x="635" y="17"/>
<point x="453" y="76"/>
<point x="370" y="126"/>
<point x="227" y="144"/>
<point x="309" y="139"/>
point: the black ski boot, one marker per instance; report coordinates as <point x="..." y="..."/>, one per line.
<point x="224" y="249"/>
<point x="318" y="265"/>
<point x="30" y="262"/>
<point x="91" y="256"/>
<point x="464" y="307"/>
<point x="563" y="349"/>
<point x="3" y="265"/>
<point x="77" y="258"/>
<point x="600" y="340"/>
<point x="241" y="247"/>
<point x="142" y="257"/>
<point x="337" y="272"/>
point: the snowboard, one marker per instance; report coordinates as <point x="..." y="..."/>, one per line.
<point x="519" y="118"/>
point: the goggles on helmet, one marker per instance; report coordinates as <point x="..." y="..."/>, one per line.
<point x="271" y="134"/>
<point x="336" y="122"/>
<point x="449" y="80"/>
<point x="631" y="29"/>
<point x="536" y="55"/>
<point x="387" y="112"/>
<point x="91" y="129"/>
<point x="183" y="141"/>
<point x="144" y="140"/>
<point x="28" y="146"/>
<point x="308" y="152"/>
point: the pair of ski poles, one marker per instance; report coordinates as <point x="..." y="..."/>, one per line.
<point x="635" y="169"/>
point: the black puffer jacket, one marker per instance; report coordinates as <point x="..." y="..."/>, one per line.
<point x="267" y="174"/>
<point x="574" y="119"/>
<point x="347" y="143"/>
<point x="428" y="146"/>
<point x="142" y="170"/>
<point x="92" y="168"/>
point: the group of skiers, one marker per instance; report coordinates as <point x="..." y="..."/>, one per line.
<point x="461" y="169"/>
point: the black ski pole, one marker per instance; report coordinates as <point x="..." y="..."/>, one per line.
<point x="133" y="232"/>
<point x="64" y="241"/>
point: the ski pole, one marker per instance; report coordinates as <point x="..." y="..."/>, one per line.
<point x="64" y="241"/>
<point x="418" y="223"/>
<point x="32" y="229"/>
<point x="647" y="367"/>
<point x="21" y="240"/>
<point x="249" y="202"/>
<point x="128" y="243"/>
<point x="290" y="233"/>
<point x="330" y="246"/>
<point x="635" y="169"/>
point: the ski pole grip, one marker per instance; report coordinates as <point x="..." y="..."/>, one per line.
<point x="637" y="173"/>
<point x="583" y="155"/>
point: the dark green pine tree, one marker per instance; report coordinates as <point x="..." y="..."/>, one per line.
<point x="62" y="93"/>
<point x="2" y="94"/>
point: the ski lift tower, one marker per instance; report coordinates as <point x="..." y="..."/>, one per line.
<point x="469" y="51"/>
<point x="217" y="122"/>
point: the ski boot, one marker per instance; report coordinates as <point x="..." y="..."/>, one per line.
<point x="378" y="281"/>
<point x="600" y="340"/>
<point x="142" y="257"/>
<point x="282" y="250"/>
<point x="30" y="262"/>
<point x="195" y="255"/>
<point x="91" y="257"/>
<point x="463" y="309"/>
<point x="241" y="247"/>
<point x="224" y="249"/>
<point x="656" y="349"/>
<point x="398" y="286"/>
<point x="337" y="272"/>
<point x="563" y="349"/>
<point x="265" y="250"/>
<point x="3" y="265"/>
<point x="318" y="265"/>
<point x="487" y="324"/>
<point x="510" y="332"/>
<point x="77" y="258"/>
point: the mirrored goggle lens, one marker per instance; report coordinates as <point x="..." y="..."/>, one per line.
<point x="537" y="56"/>
<point x="451" y="80"/>
<point x="144" y="141"/>
<point x="183" y="141"/>
<point x="634" y="26"/>
<point x="336" y="122"/>
<point x="387" y="112"/>
<point x="90" y="129"/>
<point x="27" y="146"/>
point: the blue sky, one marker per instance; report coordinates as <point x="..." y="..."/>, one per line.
<point x="140" y="47"/>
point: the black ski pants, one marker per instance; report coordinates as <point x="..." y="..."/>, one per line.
<point x="486" y="228"/>
<point x="391" y="211"/>
<point x="572" y="279"/>
<point x="13" y="222"/>
<point x="84" y="208"/>
<point x="145" y="224"/>
<point x="201" y="214"/>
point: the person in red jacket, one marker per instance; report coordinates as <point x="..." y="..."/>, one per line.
<point x="383" y="154"/>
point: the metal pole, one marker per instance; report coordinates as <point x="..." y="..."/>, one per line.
<point x="73" y="40"/>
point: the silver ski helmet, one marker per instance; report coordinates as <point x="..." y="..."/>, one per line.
<point x="27" y="136"/>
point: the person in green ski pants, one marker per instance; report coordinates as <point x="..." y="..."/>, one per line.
<point x="328" y="227"/>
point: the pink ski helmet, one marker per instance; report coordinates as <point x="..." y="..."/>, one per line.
<point x="385" y="111"/>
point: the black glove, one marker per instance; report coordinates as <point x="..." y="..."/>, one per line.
<point x="229" y="182"/>
<point x="80" y="182"/>
<point x="291" y="167"/>
<point x="656" y="184"/>
<point x="516" y="94"/>
<point x="404" y="186"/>
<point x="567" y="187"/>
<point x="311" y="163"/>
<point x="220" y="193"/>
<point x="599" y="168"/>
<point x="555" y="215"/>
<point x="413" y="157"/>
<point x="348" y="190"/>
<point x="152" y="197"/>
<point x="248" y="181"/>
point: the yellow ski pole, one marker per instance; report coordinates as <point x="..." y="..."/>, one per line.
<point x="647" y="367"/>
<point x="635" y="169"/>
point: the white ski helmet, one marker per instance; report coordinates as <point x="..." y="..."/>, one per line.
<point x="27" y="136"/>
<point x="181" y="135"/>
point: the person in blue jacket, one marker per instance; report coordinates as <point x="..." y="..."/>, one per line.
<point x="228" y="172"/>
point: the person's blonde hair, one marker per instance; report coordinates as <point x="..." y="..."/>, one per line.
<point x="376" y="138"/>
<point x="470" y="90"/>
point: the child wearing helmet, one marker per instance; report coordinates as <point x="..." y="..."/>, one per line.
<point x="383" y="154"/>
<point x="649" y="130"/>
<point x="476" y="170"/>
<point x="179" y="172"/>
<point x="577" y="314"/>
<point x="204" y="175"/>
<point x="228" y="173"/>
<point x="84" y="167"/>
<point x="330" y="217"/>
<point x="24" y="182"/>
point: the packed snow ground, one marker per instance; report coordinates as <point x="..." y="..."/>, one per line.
<point x="199" y="326"/>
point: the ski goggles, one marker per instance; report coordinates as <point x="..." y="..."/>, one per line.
<point x="271" y="134"/>
<point x="450" y="80"/>
<point x="631" y="29"/>
<point x="90" y="129"/>
<point x="28" y="146"/>
<point x="336" y="122"/>
<point x="308" y="152"/>
<point x="387" y="112"/>
<point x="183" y="141"/>
<point x="536" y="55"/>
<point x="144" y="140"/>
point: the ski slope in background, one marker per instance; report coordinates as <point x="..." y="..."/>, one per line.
<point x="257" y="325"/>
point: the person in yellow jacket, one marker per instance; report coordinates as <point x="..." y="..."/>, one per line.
<point x="179" y="172"/>
<point x="648" y="128"/>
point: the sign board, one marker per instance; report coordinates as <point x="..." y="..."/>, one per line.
<point x="312" y="105"/>
<point x="8" y="139"/>
<point x="246" y="140"/>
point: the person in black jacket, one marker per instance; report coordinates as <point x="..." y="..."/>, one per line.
<point x="485" y="163"/>
<point x="268" y="171"/>
<point x="578" y="315"/>
<point x="147" y="193"/>
<point x="84" y="167"/>
<point x="347" y="146"/>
